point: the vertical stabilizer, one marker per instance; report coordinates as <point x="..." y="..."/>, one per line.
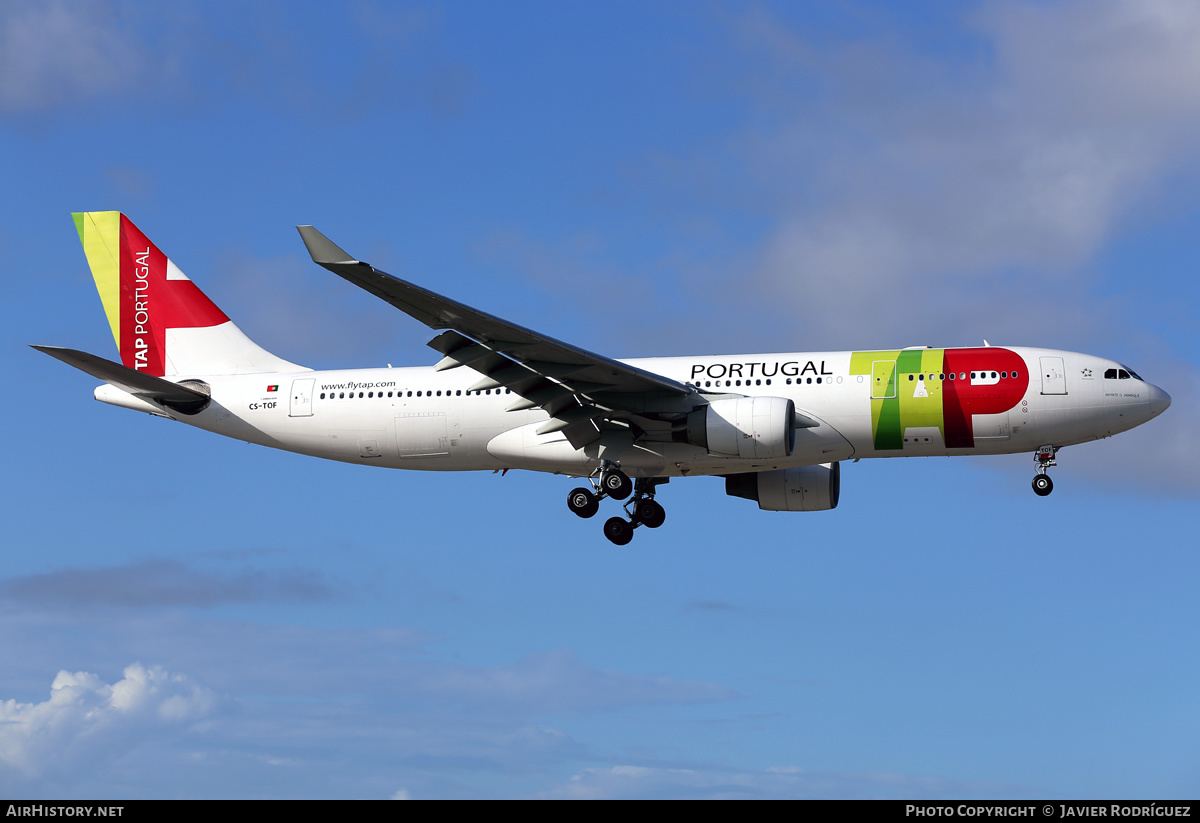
<point x="162" y="323"/>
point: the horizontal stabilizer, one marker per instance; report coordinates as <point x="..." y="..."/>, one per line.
<point x="148" y="387"/>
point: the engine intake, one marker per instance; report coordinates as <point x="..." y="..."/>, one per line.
<point x="755" y="428"/>
<point x="804" y="489"/>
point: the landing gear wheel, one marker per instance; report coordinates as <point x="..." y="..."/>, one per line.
<point x="618" y="530"/>
<point x="1042" y="485"/>
<point x="649" y="513"/>
<point x="583" y="502"/>
<point x="616" y="485"/>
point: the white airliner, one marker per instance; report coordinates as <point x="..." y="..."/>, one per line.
<point x="506" y="397"/>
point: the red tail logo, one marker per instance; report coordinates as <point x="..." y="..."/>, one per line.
<point x="155" y="296"/>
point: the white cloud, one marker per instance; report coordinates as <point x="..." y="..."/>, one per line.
<point x="926" y="183"/>
<point x="553" y="682"/>
<point x="298" y="704"/>
<point x="715" y="783"/>
<point x="59" y="53"/>
<point x="56" y="55"/>
<point x="166" y="583"/>
<point x="85" y="718"/>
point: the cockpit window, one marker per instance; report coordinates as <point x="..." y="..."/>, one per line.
<point x="1123" y="373"/>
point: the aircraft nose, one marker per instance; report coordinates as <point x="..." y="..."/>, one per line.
<point x="1159" y="401"/>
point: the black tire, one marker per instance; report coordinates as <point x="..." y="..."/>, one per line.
<point x="650" y="514"/>
<point x="1042" y="485"/>
<point x="617" y="485"/>
<point x="618" y="530"/>
<point x="583" y="502"/>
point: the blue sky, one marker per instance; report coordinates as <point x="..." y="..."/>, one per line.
<point x="187" y="616"/>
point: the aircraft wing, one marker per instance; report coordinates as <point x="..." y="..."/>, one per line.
<point x="148" y="387"/>
<point x="576" y="387"/>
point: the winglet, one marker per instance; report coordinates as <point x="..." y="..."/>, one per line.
<point x="321" y="248"/>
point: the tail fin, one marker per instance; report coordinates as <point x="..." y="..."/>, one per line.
<point x="163" y="324"/>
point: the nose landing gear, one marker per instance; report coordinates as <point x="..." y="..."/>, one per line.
<point x="1044" y="457"/>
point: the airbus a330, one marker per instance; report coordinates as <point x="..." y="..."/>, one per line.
<point x="775" y="426"/>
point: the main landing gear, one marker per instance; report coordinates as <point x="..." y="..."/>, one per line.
<point x="642" y="509"/>
<point x="1044" y="457"/>
<point x="608" y="481"/>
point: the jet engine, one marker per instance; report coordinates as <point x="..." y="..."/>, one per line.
<point x="805" y="489"/>
<point x="756" y="428"/>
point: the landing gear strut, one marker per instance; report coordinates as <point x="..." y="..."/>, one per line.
<point x="1044" y="457"/>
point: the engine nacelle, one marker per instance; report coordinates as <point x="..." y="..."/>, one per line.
<point x="806" y="489"/>
<point x="755" y="428"/>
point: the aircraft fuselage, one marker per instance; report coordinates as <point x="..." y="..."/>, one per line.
<point x="891" y="403"/>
